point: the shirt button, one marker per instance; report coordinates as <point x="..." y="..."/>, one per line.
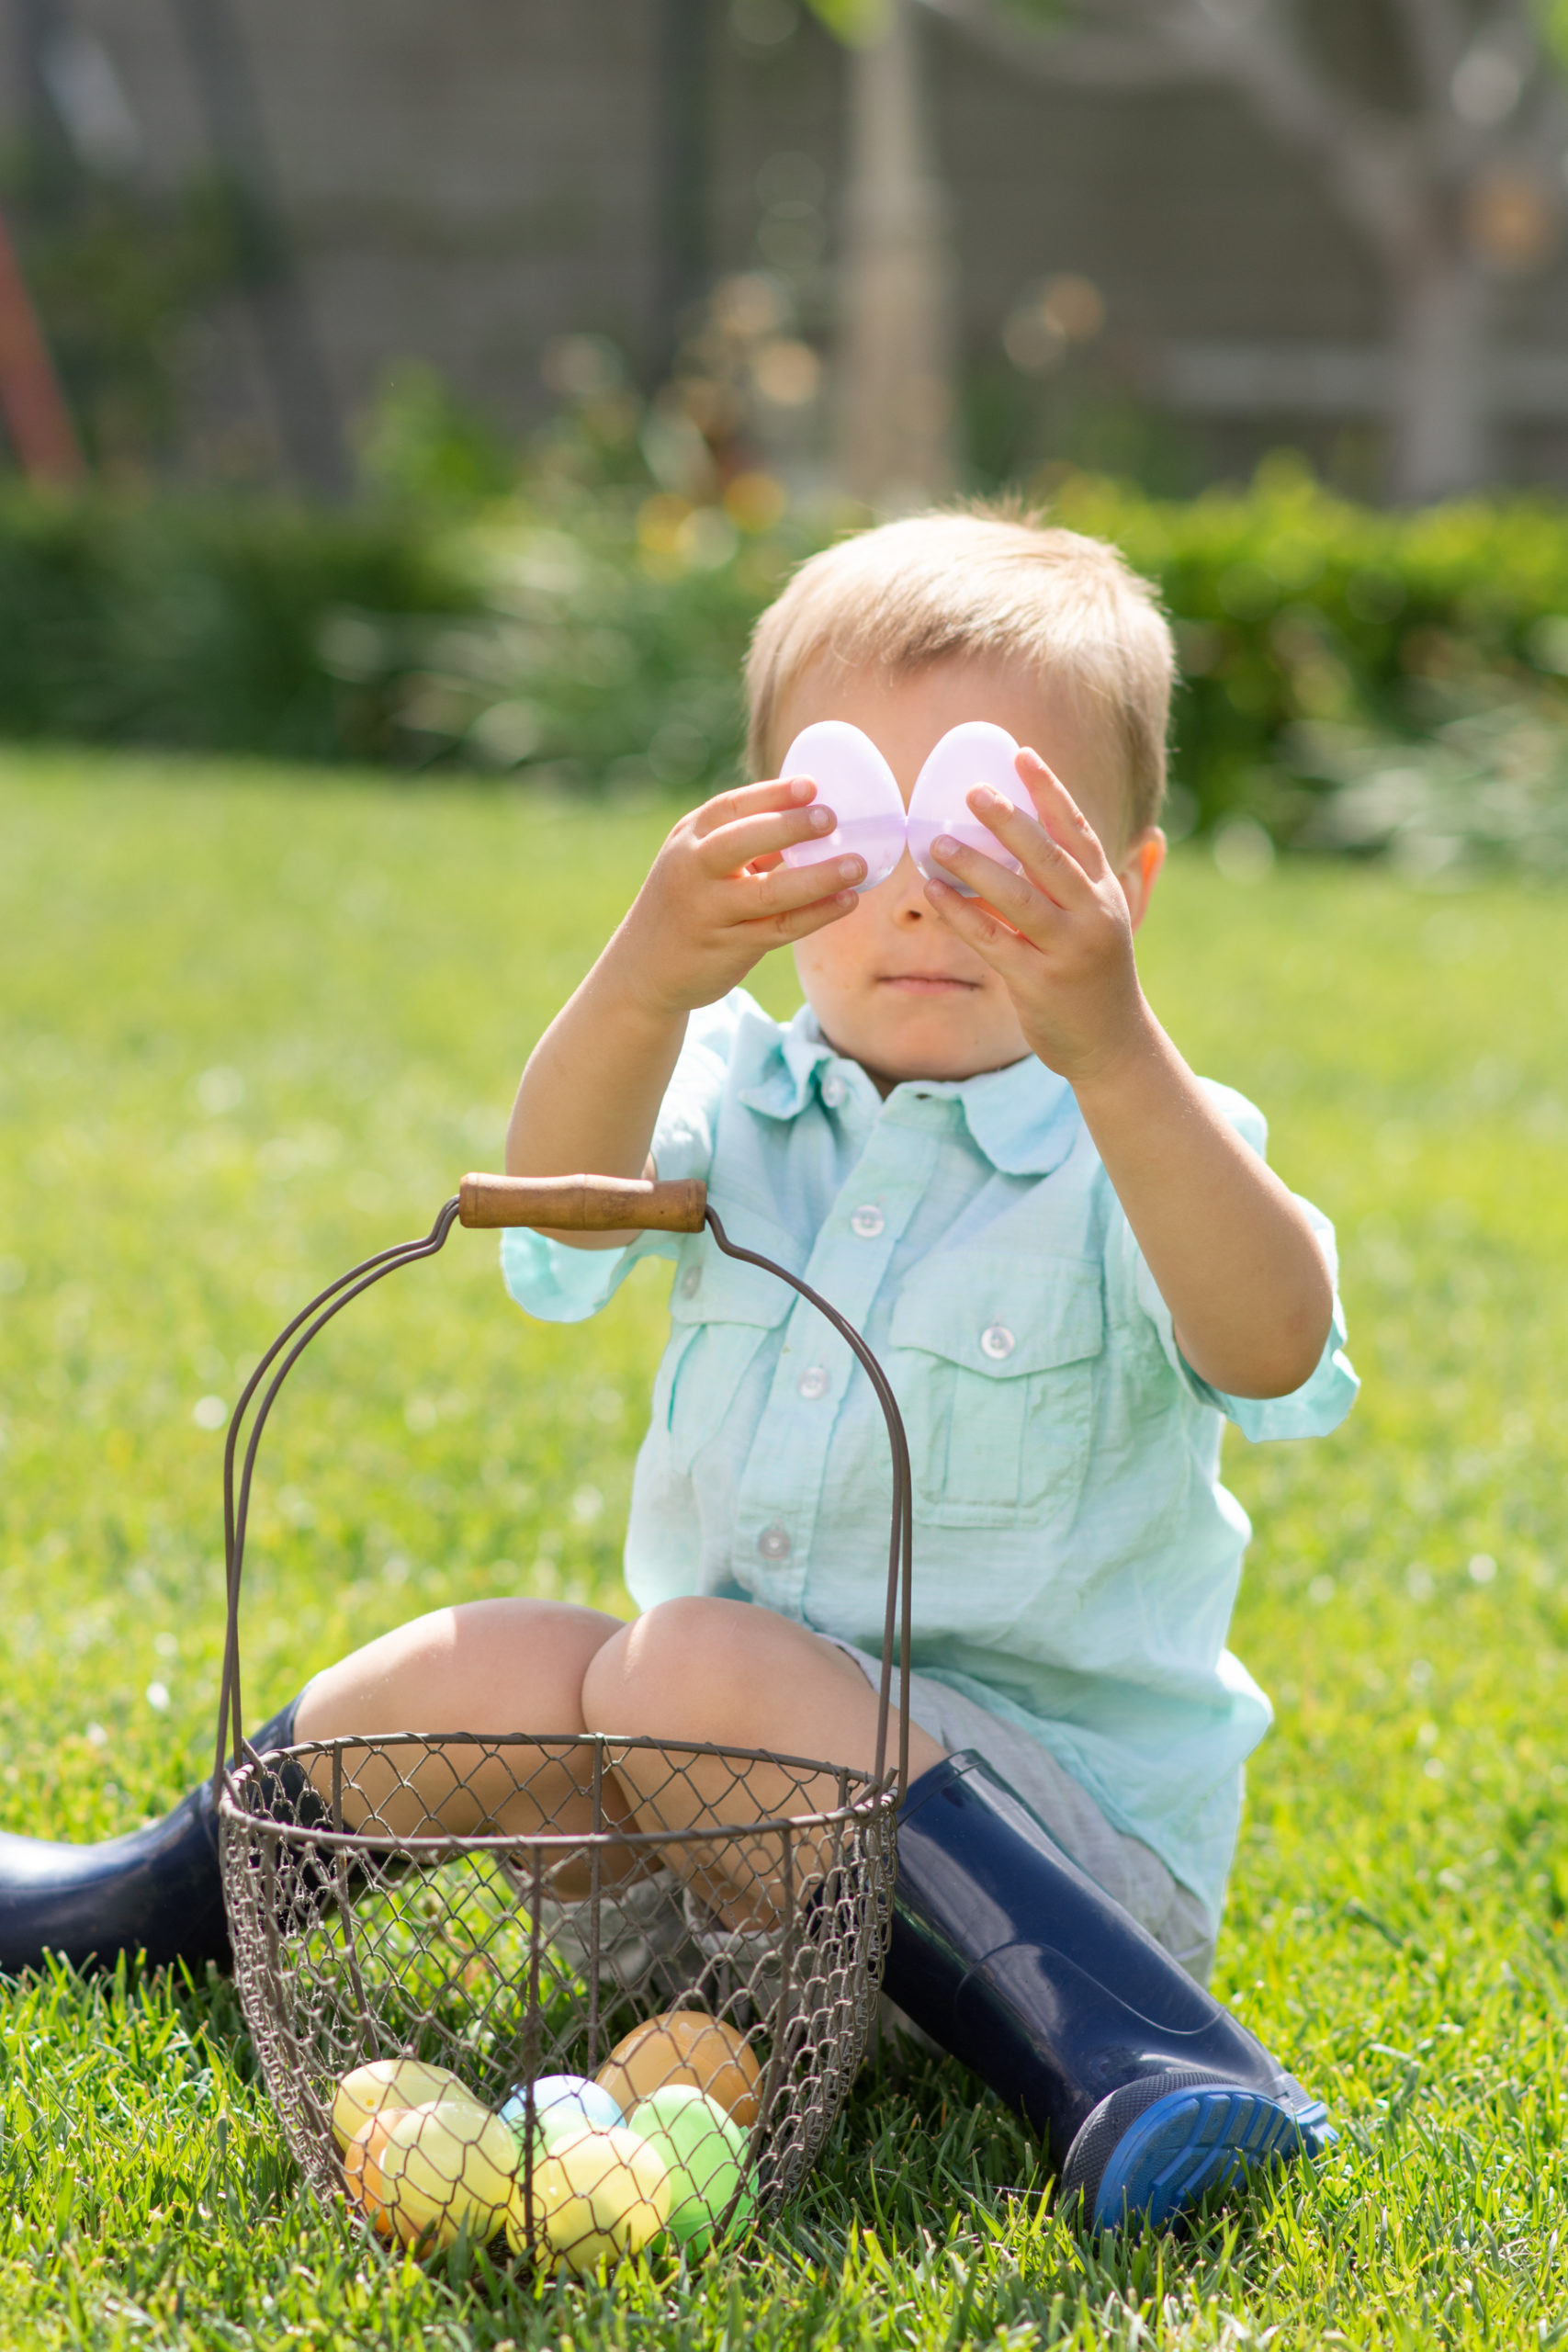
<point x="833" y="1092"/>
<point x="815" y="1382"/>
<point x="690" y="1282"/>
<point x="774" y="1543"/>
<point x="867" y="1221"/>
<point x="998" y="1342"/>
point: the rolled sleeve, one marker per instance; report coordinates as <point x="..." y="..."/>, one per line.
<point x="1319" y="1404"/>
<point x="557" y="1283"/>
<point x="1324" y="1398"/>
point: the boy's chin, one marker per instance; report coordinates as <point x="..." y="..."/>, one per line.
<point x="902" y="1053"/>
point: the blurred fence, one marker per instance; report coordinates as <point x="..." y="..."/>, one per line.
<point x="1354" y="681"/>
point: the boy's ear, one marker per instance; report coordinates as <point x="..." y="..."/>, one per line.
<point x="1139" y="870"/>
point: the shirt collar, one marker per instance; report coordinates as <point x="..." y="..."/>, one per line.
<point x="1024" y="1118"/>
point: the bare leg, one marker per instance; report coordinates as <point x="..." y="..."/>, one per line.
<point x="490" y="1665"/>
<point x="737" y="1676"/>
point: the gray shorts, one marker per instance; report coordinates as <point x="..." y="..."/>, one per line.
<point x="1130" y="1871"/>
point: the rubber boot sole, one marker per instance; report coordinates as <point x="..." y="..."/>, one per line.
<point x="1168" y="2153"/>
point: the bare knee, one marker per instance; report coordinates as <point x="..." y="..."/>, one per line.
<point x="501" y="1665"/>
<point x="691" y="1669"/>
<point x="528" y="1657"/>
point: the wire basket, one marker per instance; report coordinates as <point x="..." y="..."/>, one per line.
<point x="496" y="1995"/>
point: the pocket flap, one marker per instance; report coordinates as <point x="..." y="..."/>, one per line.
<point x="1000" y="1315"/>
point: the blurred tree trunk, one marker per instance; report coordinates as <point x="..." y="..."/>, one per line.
<point x="1443" y="436"/>
<point x="894" y="397"/>
<point x="1453" y="191"/>
<point x="682" y="52"/>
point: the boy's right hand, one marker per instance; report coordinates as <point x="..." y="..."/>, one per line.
<point x="719" y="895"/>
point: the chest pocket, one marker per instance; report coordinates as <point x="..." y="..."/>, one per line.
<point x="721" y="1312"/>
<point x="995" y="1362"/>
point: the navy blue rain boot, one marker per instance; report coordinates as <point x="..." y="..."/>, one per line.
<point x="1146" y="2092"/>
<point x="158" y="1891"/>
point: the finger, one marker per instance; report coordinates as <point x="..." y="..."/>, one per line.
<point x="750" y="898"/>
<point x="1021" y="901"/>
<point x="1009" y="955"/>
<point x="785" y="930"/>
<point x="1061" y="815"/>
<point x="752" y="800"/>
<point x="1049" y="862"/>
<point x="729" y="847"/>
<point x="1046" y="864"/>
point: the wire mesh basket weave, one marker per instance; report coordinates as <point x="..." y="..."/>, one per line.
<point x="490" y="1995"/>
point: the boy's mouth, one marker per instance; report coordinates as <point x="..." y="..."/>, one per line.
<point x="925" y="983"/>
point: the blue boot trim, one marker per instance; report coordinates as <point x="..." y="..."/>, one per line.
<point x="1195" y="2140"/>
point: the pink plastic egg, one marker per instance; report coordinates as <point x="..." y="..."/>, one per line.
<point x="975" y="754"/>
<point x="853" y="780"/>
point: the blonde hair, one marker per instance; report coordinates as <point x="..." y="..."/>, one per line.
<point x="977" y="582"/>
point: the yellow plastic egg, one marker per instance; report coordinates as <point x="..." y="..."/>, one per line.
<point x="389" y="2083"/>
<point x="685" y="2046"/>
<point x="596" y="2195"/>
<point x="438" y="2169"/>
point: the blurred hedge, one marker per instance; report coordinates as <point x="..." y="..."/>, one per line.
<point x="591" y="633"/>
<point x="201" y="623"/>
<point x="604" y="647"/>
<point x="1318" y="638"/>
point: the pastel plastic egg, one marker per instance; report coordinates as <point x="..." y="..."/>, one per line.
<point x="362" y="2172"/>
<point x="685" y="2046"/>
<point x="596" y="2195"/>
<point x="855" y="782"/>
<point x="975" y="754"/>
<point x="440" y="2169"/>
<point x="388" y="2083"/>
<point x="563" y="2104"/>
<point x="704" y="2152"/>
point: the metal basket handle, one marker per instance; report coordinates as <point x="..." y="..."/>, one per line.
<point x="573" y="1205"/>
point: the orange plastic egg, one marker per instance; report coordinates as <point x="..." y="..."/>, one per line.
<point x="363" y="2176"/>
<point x="685" y="2046"/>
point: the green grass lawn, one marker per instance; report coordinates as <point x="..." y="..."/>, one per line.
<point x="255" y="1026"/>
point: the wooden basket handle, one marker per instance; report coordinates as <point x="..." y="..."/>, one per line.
<point x="584" y="1204"/>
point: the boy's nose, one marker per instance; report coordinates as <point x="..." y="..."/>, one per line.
<point x="905" y="890"/>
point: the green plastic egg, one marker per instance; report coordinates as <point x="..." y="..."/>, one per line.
<point x="705" y="2151"/>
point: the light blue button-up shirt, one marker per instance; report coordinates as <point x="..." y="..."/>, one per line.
<point x="1076" y="1556"/>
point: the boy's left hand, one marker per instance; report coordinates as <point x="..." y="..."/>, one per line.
<point x="1231" y="1251"/>
<point x="1059" y="935"/>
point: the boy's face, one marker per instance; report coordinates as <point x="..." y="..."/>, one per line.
<point x="892" y="986"/>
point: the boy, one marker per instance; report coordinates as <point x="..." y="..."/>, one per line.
<point x="1068" y="1252"/>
